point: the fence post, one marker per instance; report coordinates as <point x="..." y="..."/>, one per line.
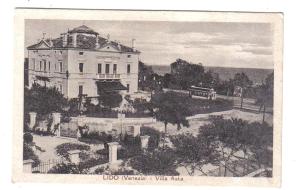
<point x="113" y="152"/>
<point x="32" y="119"/>
<point x="74" y="156"/>
<point x="27" y="166"/>
<point x="144" y="141"/>
<point x="136" y="130"/>
<point x="56" y="119"/>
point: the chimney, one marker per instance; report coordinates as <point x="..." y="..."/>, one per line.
<point x="74" y="39"/>
<point x="119" y="45"/>
<point x="64" y="37"/>
<point x="97" y="42"/>
<point x="133" y="44"/>
<point x="50" y="42"/>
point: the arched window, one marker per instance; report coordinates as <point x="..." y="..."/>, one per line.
<point x="81" y="67"/>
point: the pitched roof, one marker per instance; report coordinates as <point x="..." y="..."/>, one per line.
<point x="83" y="41"/>
<point x="83" y="29"/>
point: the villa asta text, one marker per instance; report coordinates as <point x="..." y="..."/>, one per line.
<point x="141" y="178"/>
<point x="80" y="62"/>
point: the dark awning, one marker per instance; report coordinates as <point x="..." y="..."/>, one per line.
<point x="109" y="86"/>
<point x="42" y="78"/>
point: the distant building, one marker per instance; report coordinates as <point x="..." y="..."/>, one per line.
<point x="82" y="62"/>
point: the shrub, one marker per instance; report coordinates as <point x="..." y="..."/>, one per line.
<point x="154" y="139"/>
<point x="62" y="149"/>
<point x="158" y="162"/>
<point x="131" y="146"/>
<point x="28" y="153"/>
<point x="28" y="138"/>
<point x="96" y="138"/>
<point x="92" y="162"/>
<point x="67" y="168"/>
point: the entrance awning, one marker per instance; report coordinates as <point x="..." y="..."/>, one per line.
<point x="109" y="86"/>
<point x="42" y="78"/>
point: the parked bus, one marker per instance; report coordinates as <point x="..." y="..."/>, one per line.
<point x="208" y="93"/>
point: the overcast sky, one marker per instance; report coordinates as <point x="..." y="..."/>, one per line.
<point x="161" y="43"/>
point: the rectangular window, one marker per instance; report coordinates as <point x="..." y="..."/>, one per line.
<point x="128" y="68"/>
<point x="45" y="65"/>
<point x="107" y="69"/>
<point x="128" y="56"/>
<point x="40" y="65"/>
<point x="99" y="68"/>
<point x="81" y="67"/>
<point x="33" y="63"/>
<point x="80" y="90"/>
<point x="81" y="53"/>
<point x="60" y="67"/>
<point x="49" y="67"/>
<point x="128" y="87"/>
<point x="115" y="69"/>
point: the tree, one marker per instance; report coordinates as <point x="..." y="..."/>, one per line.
<point x="110" y="99"/>
<point x="193" y="152"/>
<point x="44" y="100"/>
<point x="265" y="94"/>
<point x="170" y="108"/>
<point x="235" y="135"/>
<point x="242" y="80"/>
<point x="186" y="74"/>
<point x="157" y="162"/>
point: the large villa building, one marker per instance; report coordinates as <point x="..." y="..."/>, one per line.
<point x="82" y="62"/>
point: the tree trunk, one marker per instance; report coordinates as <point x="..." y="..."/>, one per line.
<point x="264" y="112"/>
<point x="242" y="98"/>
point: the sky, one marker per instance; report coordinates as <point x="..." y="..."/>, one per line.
<point x="225" y="44"/>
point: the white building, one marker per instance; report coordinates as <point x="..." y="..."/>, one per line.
<point x="82" y="62"/>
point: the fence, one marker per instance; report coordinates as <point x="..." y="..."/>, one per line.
<point x="44" y="167"/>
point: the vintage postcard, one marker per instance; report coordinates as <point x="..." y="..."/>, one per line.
<point x="148" y="97"/>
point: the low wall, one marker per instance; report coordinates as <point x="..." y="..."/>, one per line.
<point x="107" y="124"/>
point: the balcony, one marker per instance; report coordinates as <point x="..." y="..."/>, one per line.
<point x="108" y="76"/>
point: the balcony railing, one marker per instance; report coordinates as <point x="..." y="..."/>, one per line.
<point x="108" y="76"/>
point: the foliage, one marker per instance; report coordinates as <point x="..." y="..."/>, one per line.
<point x="193" y="152"/>
<point x="43" y="100"/>
<point x="170" y="108"/>
<point x="242" y="80"/>
<point x="95" y="137"/>
<point x="67" y="168"/>
<point x="186" y="74"/>
<point x="234" y="135"/>
<point x="28" y="153"/>
<point x="28" y="138"/>
<point x="62" y="149"/>
<point x="265" y="93"/>
<point x="110" y="99"/>
<point x="120" y="171"/>
<point x="131" y="146"/>
<point x="157" y="162"/>
<point x="92" y="162"/>
<point x="154" y="139"/>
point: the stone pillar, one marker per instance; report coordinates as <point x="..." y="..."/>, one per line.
<point x="222" y="169"/>
<point x="32" y="119"/>
<point x="56" y="119"/>
<point x="136" y="130"/>
<point x="113" y="152"/>
<point x="108" y="127"/>
<point x="27" y="166"/>
<point x="144" y="141"/>
<point x="74" y="156"/>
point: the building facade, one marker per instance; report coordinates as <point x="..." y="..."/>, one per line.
<point x="82" y="62"/>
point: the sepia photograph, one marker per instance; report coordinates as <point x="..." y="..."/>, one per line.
<point x="147" y="97"/>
